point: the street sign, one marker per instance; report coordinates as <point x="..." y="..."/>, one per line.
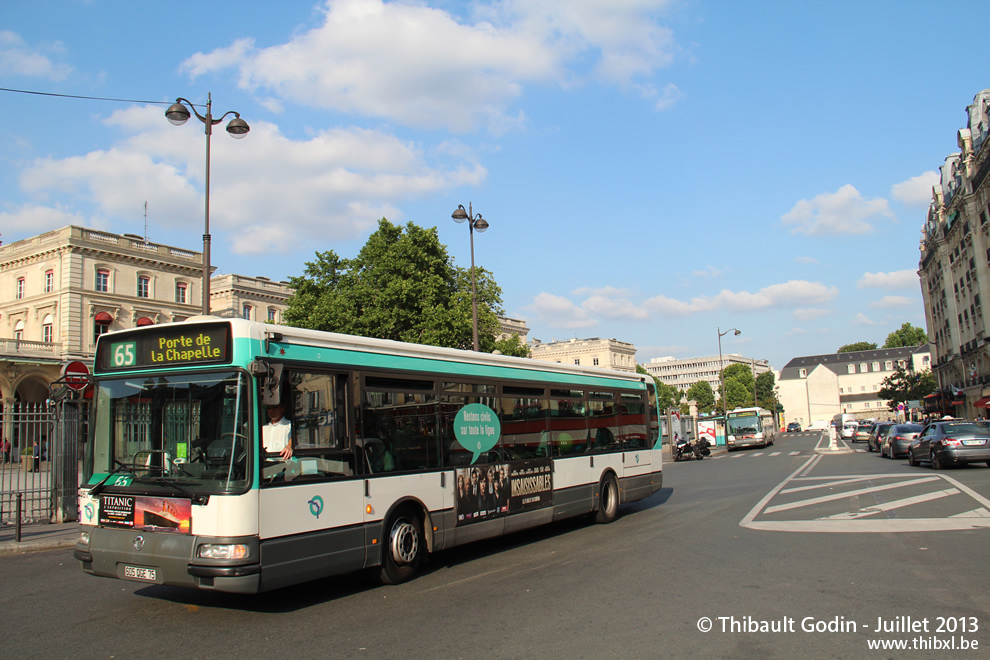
<point x="76" y="375"/>
<point x="900" y="406"/>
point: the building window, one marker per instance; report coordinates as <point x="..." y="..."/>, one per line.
<point x="49" y="281"/>
<point x="594" y="361"/>
<point x="19" y="331"/>
<point x="180" y="292"/>
<point x="100" y="328"/>
<point x="143" y="286"/>
<point x="48" y="330"/>
<point x="577" y="361"/>
<point x="19" y="291"/>
<point x="246" y="312"/>
<point x="876" y="366"/>
<point x="272" y="315"/>
<point x="103" y="280"/>
<point x="851" y="369"/>
<point x="863" y="368"/>
<point x="802" y="373"/>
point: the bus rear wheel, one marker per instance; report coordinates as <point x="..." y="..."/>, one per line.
<point x="608" y="500"/>
<point x="404" y="547"/>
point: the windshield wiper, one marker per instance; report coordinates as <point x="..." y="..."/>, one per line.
<point x="98" y="488"/>
<point x="195" y="497"/>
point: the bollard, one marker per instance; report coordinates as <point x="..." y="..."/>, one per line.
<point x="17" y="523"/>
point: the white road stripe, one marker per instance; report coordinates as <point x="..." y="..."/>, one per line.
<point x="896" y="504"/>
<point x="842" y="496"/>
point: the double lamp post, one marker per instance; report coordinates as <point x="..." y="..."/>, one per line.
<point x="178" y="114"/>
<point x="475" y="222"/>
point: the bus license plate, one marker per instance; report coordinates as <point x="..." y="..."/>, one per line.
<point x="140" y="573"/>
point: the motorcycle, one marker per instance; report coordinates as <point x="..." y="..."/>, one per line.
<point x="685" y="451"/>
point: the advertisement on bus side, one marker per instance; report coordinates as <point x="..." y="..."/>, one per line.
<point x="489" y="491"/>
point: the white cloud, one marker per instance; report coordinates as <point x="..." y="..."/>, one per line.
<point x="899" y="279"/>
<point x="843" y="213"/>
<point x="19" y="59"/>
<point x="268" y="192"/>
<point x="916" y="191"/>
<point x="893" y="302"/>
<point x="558" y="312"/>
<point x="31" y="219"/>
<point x="775" y="295"/>
<point x="709" y="271"/>
<point x="809" y="313"/>
<point x="422" y="67"/>
<point x="863" y="319"/>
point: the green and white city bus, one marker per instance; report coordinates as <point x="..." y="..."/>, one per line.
<point x="397" y="450"/>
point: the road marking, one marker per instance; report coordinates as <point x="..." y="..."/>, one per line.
<point x="777" y="453"/>
<point x="794" y="453"/>
<point x="868" y="519"/>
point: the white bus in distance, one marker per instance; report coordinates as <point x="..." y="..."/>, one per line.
<point x="749" y="427"/>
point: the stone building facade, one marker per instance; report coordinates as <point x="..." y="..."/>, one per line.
<point x="955" y="267"/>
<point x="684" y="372"/>
<point x="593" y="352"/>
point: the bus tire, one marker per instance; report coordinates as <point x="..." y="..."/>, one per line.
<point x="404" y="546"/>
<point x="608" y="500"/>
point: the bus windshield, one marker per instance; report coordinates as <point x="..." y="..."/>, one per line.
<point x="744" y="424"/>
<point x="178" y="434"/>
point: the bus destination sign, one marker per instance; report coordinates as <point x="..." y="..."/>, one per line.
<point x="167" y="346"/>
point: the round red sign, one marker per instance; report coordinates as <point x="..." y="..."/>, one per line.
<point x="75" y="374"/>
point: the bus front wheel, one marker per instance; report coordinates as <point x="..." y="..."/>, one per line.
<point x="608" y="500"/>
<point x="404" y="547"/>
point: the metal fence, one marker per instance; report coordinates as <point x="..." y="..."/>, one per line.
<point x="40" y="462"/>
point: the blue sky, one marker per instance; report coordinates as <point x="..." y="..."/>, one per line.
<point x="652" y="170"/>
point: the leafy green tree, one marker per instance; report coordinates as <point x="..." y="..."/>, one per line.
<point x="765" y="394"/>
<point x="906" y="335"/>
<point x="904" y="385"/>
<point x="402" y="285"/>
<point x="858" y="346"/>
<point x="668" y="396"/>
<point x="738" y="386"/>
<point x="512" y="346"/>
<point x="702" y="393"/>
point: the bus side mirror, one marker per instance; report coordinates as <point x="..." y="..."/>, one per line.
<point x="270" y="376"/>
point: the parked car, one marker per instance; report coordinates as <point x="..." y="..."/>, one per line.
<point x="876" y="435"/>
<point x="951" y="442"/>
<point x="898" y="438"/>
<point x="863" y="432"/>
<point x="793" y="427"/>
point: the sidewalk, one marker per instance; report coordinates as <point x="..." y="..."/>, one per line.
<point x="36" y="538"/>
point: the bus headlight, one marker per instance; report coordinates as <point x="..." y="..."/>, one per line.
<point x="222" y="551"/>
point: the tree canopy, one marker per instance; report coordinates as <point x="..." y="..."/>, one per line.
<point x="858" y="346"/>
<point x="906" y="335"/>
<point x="903" y="386"/>
<point x="702" y="393"/>
<point x="402" y="285"/>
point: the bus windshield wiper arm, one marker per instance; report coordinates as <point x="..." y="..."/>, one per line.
<point x="195" y="497"/>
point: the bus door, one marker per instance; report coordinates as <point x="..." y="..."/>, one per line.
<point x="635" y="425"/>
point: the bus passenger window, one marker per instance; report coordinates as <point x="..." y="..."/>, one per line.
<point x="633" y="416"/>
<point x="399" y="429"/>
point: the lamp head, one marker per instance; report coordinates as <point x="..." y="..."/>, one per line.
<point x="177" y="114"/>
<point x="238" y="128"/>
<point x="460" y="215"/>
<point x="738" y="332"/>
<point x="480" y="224"/>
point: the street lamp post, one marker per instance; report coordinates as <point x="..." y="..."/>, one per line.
<point x="178" y="114"/>
<point x="721" y="369"/>
<point x="479" y="223"/>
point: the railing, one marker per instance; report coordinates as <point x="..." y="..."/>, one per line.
<point x="29" y="348"/>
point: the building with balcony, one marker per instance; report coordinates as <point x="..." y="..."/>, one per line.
<point x="593" y="352"/>
<point x="955" y="267"/>
<point x="817" y="387"/>
<point x="61" y="290"/>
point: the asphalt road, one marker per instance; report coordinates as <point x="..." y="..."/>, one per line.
<point x="780" y="537"/>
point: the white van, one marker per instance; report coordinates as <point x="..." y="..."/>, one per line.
<point x="845" y="425"/>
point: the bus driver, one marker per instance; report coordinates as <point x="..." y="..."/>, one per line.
<point x="276" y="435"/>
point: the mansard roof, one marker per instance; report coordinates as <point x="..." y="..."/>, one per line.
<point x="838" y="362"/>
